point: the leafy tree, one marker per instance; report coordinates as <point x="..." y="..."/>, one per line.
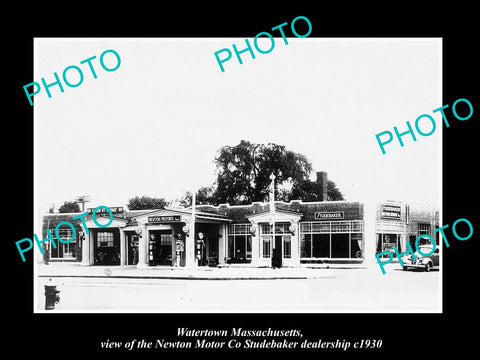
<point x="243" y="171"/>
<point x="204" y="196"/>
<point x="243" y="175"/>
<point x="69" y="207"/>
<point x="146" y="203"/>
<point x="309" y="191"/>
<point x="333" y="193"/>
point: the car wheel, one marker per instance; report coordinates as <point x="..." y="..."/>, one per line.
<point x="404" y="268"/>
<point x="428" y="266"/>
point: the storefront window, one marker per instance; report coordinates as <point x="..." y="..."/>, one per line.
<point x="321" y="245"/>
<point x="340" y="246"/>
<point x="321" y="227"/>
<point x="266" y="228"/>
<point x="387" y="242"/>
<point x="63" y="250"/>
<point x="331" y="239"/>
<point x="266" y="246"/>
<point x="249" y="247"/>
<point x="356" y="245"/>
<point x="239" y="243"/>
<point x="280" y="228"/>
<point x="306" y="245"/>
<point x="287" y="247"/>
<point x="240" y="247"/>
<point x="341" y="226"/>
<point x="231" y="247"/>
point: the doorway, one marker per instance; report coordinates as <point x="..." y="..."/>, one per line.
<point x="161" y="248"/>
<point x="132" y="248"/>
<point x="277" y="252"/>
<point x="212" y="250"/>
<point x="106" y="246"/>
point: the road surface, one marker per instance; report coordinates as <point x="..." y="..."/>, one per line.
<point x="342" y="290"/>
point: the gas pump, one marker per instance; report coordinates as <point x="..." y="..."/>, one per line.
<point x="200" y="250"/>
<point x="179" y="248"/>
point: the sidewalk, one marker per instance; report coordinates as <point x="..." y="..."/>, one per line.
<point x="313" y="271"/>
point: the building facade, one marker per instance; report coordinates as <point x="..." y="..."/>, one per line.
<point x="268" y="234"/>
<point x="259" y="234"/>
<point x="398" y="223"/>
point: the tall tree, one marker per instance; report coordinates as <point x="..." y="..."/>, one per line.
<point x="333" y="193"/>
<point x="146" y="203"/>
<point x="69" y="207"/>
<point x="204" y="196"/>
<point x="309" y="191"/>
<point x="243" y="176"/>
<point x="243" y="171"/>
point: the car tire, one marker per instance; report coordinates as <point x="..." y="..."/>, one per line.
<point x="404" y="268"/>
<point x="428" y="266"/>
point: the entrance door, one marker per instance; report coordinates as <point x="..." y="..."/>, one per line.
<point x="277" y="252"/>
<point x="212" y="250"/>
<point x="132" y="249"/>
<point x="107" y="247"/>
<point x="161" y="248"/>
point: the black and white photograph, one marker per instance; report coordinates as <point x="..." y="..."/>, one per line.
<point x="283" y="199"/>
<point x="214" y="183"/>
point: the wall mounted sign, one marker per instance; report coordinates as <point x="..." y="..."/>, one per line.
<point x="330" y="215"/>
<point x="114" y="210"/>
<point x="391" y="212"/>
<point x="163" y="219"/>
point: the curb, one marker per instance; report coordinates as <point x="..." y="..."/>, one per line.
<point x="184" y="277"/>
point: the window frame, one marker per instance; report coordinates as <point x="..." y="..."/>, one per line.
<point x="67" y="248"/>
<point x="102" y="234"/>
<point x="234" y="232"/>
<point x="309" y="228"/>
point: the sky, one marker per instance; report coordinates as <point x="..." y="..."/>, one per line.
<point x="153" y="126"/>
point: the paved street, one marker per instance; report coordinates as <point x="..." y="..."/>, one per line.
<point x="341" y="290"/>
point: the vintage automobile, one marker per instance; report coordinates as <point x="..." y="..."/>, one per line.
<point x="426" y="263"/>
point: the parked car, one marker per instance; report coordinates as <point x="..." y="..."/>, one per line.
<point x="426" y="263"/>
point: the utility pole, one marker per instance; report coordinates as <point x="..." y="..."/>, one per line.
<point x="82" y="199"/>
<point x="272" y="213"/>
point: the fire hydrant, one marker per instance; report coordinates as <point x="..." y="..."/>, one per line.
<point x="51" y="296"/>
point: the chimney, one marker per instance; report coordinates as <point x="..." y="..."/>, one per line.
<point x="321" y="185"/>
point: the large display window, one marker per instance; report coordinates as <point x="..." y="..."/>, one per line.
<point x="239" y="246"/>
<point x="388" y="242"/>
<point x="331" y="239"/>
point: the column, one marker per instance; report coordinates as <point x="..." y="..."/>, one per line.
<point x="256" y="245"/>
<point x="122" y="247"/>
<point x="143" y="249"/>
<point x="221" y="243"/>
<point x="295" y="245"/>
<point x="91" y="248"/>
<point x="86" y="248"/>
<point x="369" y="237"/>
<point x="190" y="259"/>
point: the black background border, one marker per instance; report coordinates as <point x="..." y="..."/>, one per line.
<point x="81" y="333"/>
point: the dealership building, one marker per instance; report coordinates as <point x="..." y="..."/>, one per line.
<point x="269" y="234"/>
